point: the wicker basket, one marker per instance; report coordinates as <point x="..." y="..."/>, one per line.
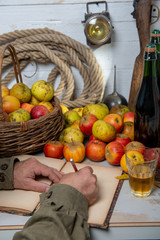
<point x="27" y="137"/>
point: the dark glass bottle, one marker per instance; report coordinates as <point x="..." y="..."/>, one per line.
<point x="155" y="39"/>
<point x="147" y="106"/>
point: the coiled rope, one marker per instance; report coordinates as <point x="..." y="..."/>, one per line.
<point x="49" y="46"/>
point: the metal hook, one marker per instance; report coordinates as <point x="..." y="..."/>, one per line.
<point x="35" y="70"/>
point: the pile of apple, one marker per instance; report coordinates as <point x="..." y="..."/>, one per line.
<point x="97" y="133"/>
<point x="20" y="103"/>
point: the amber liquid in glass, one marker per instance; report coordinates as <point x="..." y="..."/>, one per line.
<point x="141" y="182"/>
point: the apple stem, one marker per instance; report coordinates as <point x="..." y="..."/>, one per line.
<point x="72" y="140"/>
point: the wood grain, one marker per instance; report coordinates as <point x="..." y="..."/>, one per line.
<point x="143" y="27"/>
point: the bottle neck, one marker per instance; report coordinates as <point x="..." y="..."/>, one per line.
<point x="156" y="40"/>
<point x="150" y="64"/>
<point x="150" y="68"/>
<point x="150" y="56"/>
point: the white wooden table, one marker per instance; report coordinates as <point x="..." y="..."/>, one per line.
<point x="144" y="212"/>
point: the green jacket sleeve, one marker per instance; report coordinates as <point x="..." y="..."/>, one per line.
<point x="6" y="172"/>
<point x="62" y="215"/>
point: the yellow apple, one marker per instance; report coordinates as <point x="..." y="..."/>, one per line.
<point x="22" y="92"/>
<point x="42" y="90"/>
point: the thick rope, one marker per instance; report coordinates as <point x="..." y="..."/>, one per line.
<point x="49" y="46"/>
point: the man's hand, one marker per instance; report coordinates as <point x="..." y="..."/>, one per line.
<point x="26" y="172"/>
<point x="84" y="181"/>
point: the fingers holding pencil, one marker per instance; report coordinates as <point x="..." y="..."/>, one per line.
<point x="84" y="181"/>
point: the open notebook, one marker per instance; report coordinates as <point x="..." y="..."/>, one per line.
<point x="25" y="202"/>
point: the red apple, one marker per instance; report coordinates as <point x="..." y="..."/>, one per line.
<point x="128" y="129"/>
<point x="128" y="117"/>
<point x="158" y="150"/>
<point x="115" y="120"/>
<point x="39" y="111"/>
<point x="150" y="154"/>
<point x="92" y="138"/>
<point x="114" y="152"/>
<point x="135" y="145"/>
<point x="86" y="123"/>
<point x="74" y="150"/>
<point x="27" y="106"/>
<point x="53" y="149"/>
<point x="122" y="138"/>
<point x="95" y="150"/>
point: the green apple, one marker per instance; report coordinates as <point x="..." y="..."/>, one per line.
<point x="70" y="117"/>
<point x="19" y="115"/>
<point x="120" y="109"/>
<point x="96" y="109"/>
<point x="71" y="134"/>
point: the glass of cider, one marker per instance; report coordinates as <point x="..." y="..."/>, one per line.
<point x="141" y="170"/>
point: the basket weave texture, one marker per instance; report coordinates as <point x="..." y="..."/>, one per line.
<point x="30" y="136"/>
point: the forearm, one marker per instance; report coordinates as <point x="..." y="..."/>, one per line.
<point x="62" y="215"/>
<point x="6" y="173"/>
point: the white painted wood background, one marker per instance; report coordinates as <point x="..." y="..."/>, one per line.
<point x="66" y="16"/>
